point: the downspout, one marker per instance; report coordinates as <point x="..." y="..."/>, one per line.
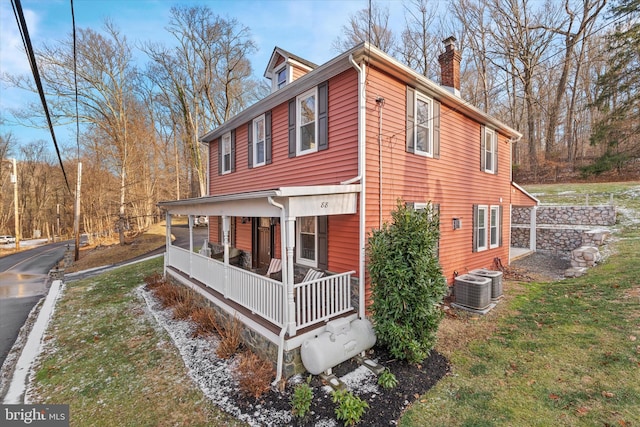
<point x="362" y="114"/>
<point x="283" y="251"/>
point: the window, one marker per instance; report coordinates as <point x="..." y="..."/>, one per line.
<point x="481" y="228"/>
<point x="423" y="124"/>
<point x="489" y="151"/>
<point x="259" y="141"/>
<point x="494" y="227"/>
<point x="226" y="153"/>
<point x="424" y="141"/>
<point x="487" y="224"/>
<point x="307" y="120"/>
<point x="281" y="77"/>
<point x="307" y="241"/>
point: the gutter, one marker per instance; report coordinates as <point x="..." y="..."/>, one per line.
<point x="362" y="115"/>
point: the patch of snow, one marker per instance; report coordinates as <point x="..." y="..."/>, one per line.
<point x="214" y="376"/>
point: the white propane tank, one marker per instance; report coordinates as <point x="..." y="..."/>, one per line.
<point x="341" y="341"/>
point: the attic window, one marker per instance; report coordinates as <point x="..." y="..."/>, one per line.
<point x="281" y="77"/>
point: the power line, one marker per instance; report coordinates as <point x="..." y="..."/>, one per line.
<point x="26" y="41"/>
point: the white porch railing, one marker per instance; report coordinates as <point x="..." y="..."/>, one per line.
<point x="321" y="299"/>
<point x="315" y="301"/>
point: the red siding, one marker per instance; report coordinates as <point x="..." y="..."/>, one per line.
<point x="332" y="166"/>
<point x="454" y="181"/>
<point x="338" y="163"/>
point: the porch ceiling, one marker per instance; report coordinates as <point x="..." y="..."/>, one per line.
<point x="299" y="201"/>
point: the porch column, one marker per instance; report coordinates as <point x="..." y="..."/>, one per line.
<point x="225" y="243"/>
<point x="532" y="228"/>
<point x="190" y="245"/>
<point x="167" y="251"/>
<point x="291" y="244"/>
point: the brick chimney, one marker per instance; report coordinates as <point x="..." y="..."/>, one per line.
<point x="450" y="66"/>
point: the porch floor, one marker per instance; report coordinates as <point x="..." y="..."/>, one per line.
<point x="517" y="253"/>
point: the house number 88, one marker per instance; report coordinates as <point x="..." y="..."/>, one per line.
<point x="324" y="205"/>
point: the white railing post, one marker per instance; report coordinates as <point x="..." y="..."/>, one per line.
<point x="225" y="242"/>
<point x="290" y="223"/>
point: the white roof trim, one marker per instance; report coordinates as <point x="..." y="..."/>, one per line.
<point x="525" y="192"/>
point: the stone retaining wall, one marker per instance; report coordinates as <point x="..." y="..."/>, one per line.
<point x="566" y="215"/>
<point x="557" y="238"/>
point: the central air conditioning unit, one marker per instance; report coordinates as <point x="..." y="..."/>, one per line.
<point x="472" y="291"/>
<point x="496" y="281"/>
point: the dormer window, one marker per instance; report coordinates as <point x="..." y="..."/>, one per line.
<point x="281" y="78"/>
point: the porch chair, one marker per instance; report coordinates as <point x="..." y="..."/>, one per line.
<point x="275" y="266"/>
<point x="312" y="274"/>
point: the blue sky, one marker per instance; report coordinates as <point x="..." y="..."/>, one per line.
<point x="305" y="27"/>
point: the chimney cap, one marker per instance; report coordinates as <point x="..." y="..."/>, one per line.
<point x="449" y="42"/>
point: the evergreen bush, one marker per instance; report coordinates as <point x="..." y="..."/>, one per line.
<point x="408" y="285"/>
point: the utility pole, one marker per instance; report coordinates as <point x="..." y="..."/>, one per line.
<point x="76" y="220"/>
<point x="14" y="180"/>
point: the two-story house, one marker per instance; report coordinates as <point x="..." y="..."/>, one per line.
<point x="305" y="174"/>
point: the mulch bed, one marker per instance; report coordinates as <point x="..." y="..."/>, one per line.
<point x="385" y="405"/>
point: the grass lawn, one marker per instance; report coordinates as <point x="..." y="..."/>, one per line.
<point x="563" y="353"/>
<point x="112" y="364"/>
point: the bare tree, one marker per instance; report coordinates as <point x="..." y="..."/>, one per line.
<point x="518" y="49"/>
<point x="369" y="24"/>
<point x="416" y="48"/>
<point x="584" y="20"/>
<point x="204" y="79"/>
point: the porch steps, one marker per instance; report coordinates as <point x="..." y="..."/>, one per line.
<point x="369" y="364"/>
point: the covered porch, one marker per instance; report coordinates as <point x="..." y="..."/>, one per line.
<point x="261" y="302"/>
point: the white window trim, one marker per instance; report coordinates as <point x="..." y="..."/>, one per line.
<point x="299" y="258"/>
<point x="276" y="72"/>
<point x="495" y="209"/>
<point x="226" y="138"/>
<point x="426" y="99"/>
<point x="306" y="94"/>
<point x="255" y="123"/>
<point x="490" y="141"/>
<point x="479" y="248"/>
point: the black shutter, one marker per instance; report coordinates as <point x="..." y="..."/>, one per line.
<point x="436" y="129"/>
<point x="410" y="205"/>
<point x="292" y="128"/>
<point x="250" y="144"/>
<point x="233" y="150"/>
<point x="267" y="137"/>
<point x="474" y="225"/>
<point x="220" y="156"/>
<point x="500" y="226"/>
<point x="323" y="243"/>
<point x="411" y="102"/>
<point x="495" y="155"/>
<point x="483" y="141"/>
<point x="323" y="119"/>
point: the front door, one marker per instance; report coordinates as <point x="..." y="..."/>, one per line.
<point x="264" y="242"/>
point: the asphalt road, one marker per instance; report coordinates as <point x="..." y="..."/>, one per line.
<point x="23" y="282"/>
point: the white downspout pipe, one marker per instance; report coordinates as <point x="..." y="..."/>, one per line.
<point x="362" y="115"/>
<point x="285" y="282"/>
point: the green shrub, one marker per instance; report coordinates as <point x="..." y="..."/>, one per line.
<point x="387" y="379"/>
<point x="301" y="399"/>
<point x="350" y="407"/>
<point x="407" y="280"/>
